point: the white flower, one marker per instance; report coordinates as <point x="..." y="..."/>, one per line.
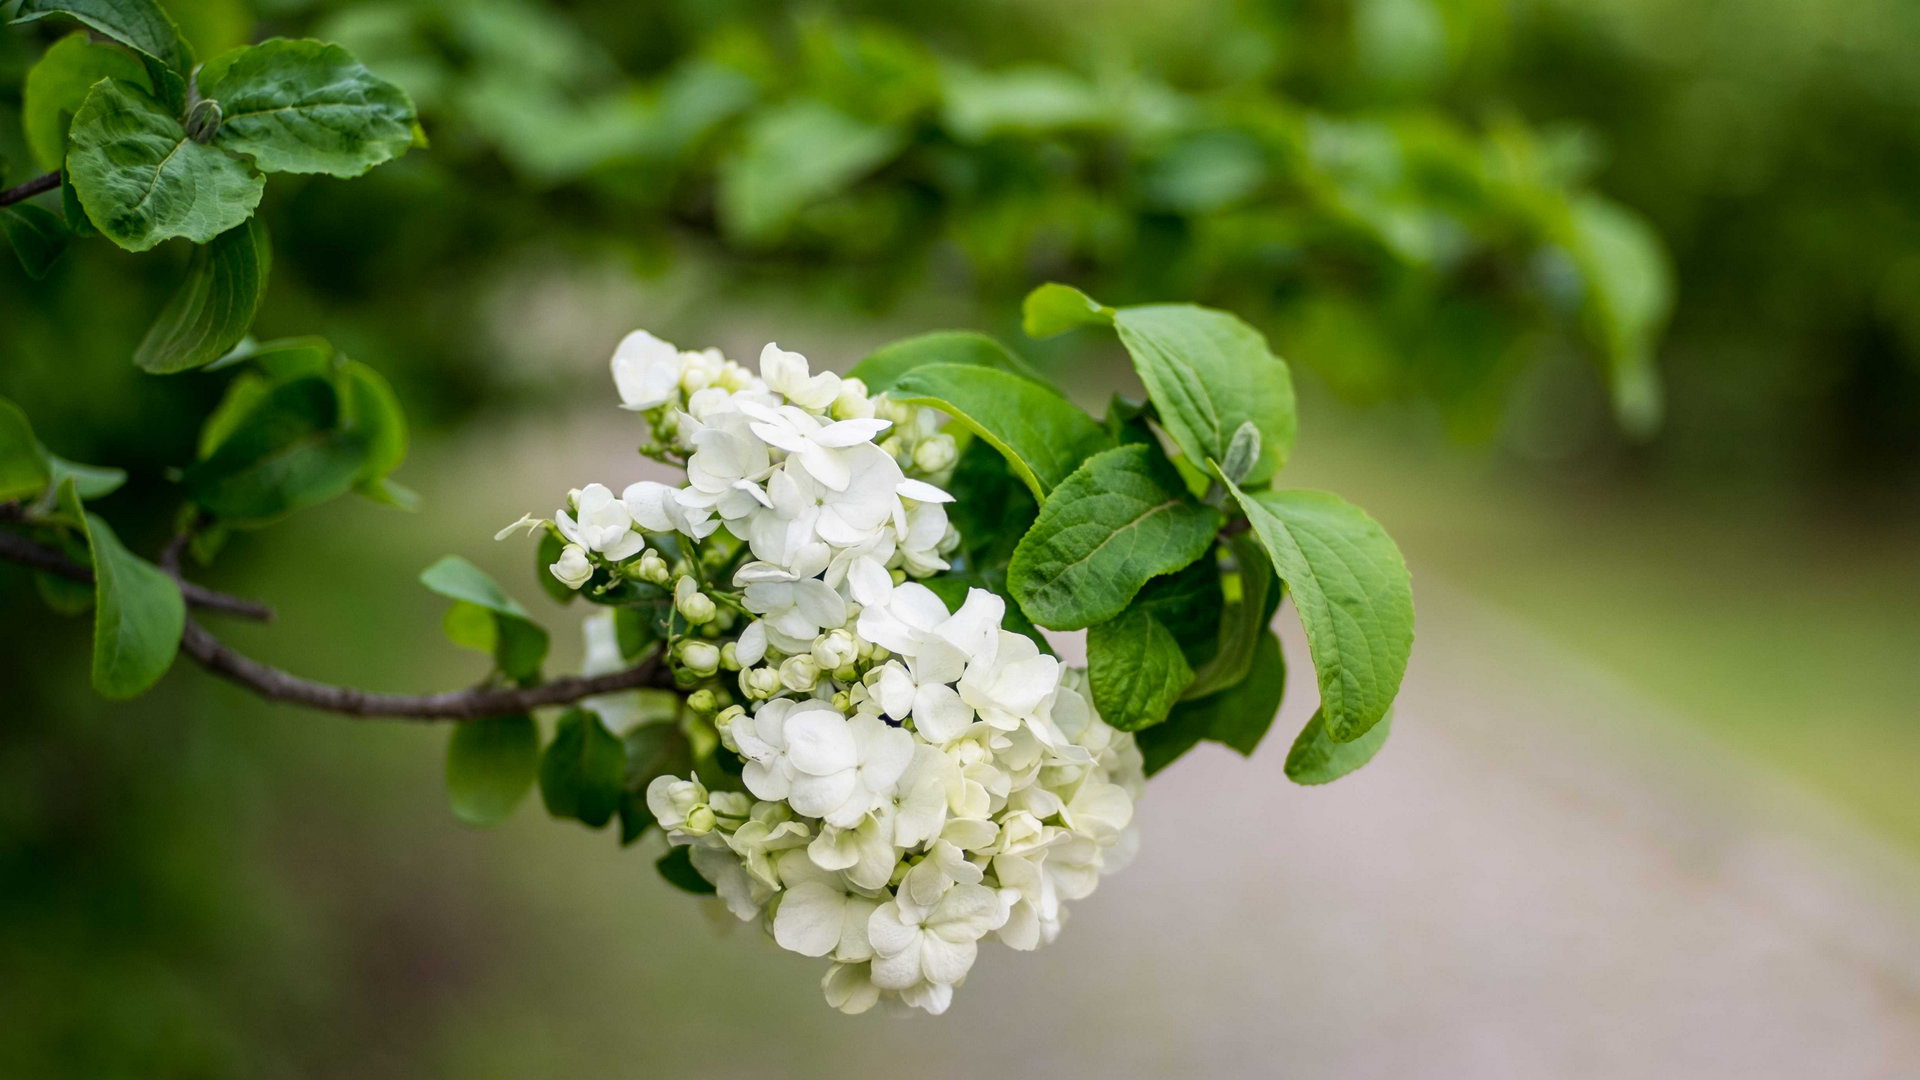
<point x="656" y="507"/>
<point x="824" y="451"/>
<point x="572" y="567"/>
<point x="853" y="402"/>
<point x="920" y="540"/>
<point x="865" y="852"/>
<point x="792" y="601"/>
<point x="937" y="711"/>
<point x="728" y="464"/>
<point x="819" y="914"/>
<point x="835" y="650"/>
<point x="843" y="769"/>
<point x="646" y="371"/>
<point x="1006" y="683"/>
<point x="934" y="943"/>
<point x="763" y="743"/>
<point x="604" y="525"/>
<point x="700" y="657"/>
<point x="743" y="894"/>
<point x="786" y="373"/>
<point x="692" y="604"/>
<point x="849" y="988"/>
<point x="768" y="831"/>
<point x="680" y="805"/>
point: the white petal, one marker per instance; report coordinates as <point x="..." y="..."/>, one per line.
<point x="946" y="962"/>
<point x="809" y="919"/>
<point x="891" y="934"/>
<point x="752" y="646"/>
<point x="819" y="741"/>
<point x="822" y="796"/>
<point x="921" y="491"/>
<point x="848" y="432"/>
<point x="939" y="714"/>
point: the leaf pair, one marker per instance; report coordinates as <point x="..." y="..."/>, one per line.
<point x="486" y="619"/>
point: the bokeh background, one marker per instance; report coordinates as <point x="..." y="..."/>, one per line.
<point x="1609" y="311"/>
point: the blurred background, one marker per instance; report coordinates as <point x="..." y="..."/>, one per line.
<point x="1608" y="311"/>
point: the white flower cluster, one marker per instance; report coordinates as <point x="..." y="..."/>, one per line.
<point x="916" y="780"/>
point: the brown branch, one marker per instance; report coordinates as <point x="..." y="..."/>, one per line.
<point x="29" y="189"/>
<point x="276" y="685"/>
<point x="19" y="549"/>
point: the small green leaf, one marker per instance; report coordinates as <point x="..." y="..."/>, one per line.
<point x="38" y="236"/>
<point x="677" y="867"/>
<point x="1119" y="520"/>
<point x="210" y="313"/>
<point x="89" y="481"/>
<point x="138" y="613"/>
<point x="1353" y="593"/>
<point x="1238" y="716"/>
<point x="490" y="767"/>
<point x="140" y="25"/>
<point x="582" y="770"/>
<point x="884" y="366"/>
<point x="1629" y="294"/>
<point x="1055" y="309"/>
<point x="636" y="629"/>
<point x="377" y="415"/>
<point x="306" y="107"/>
<point x="1242" y="622"/>
<point x="244" y="394"/>
<point x="142" y="180"/>
<point x="23" y="464"/>
<point x="1043" y="436"/>
<point x="794" y="155"/>
<point x="58" y="84"/>
<point x="1317" y="759"/>
<point x="64" y="596"/>
<point x="1136" y="670"/>
<point x="288" y="452"/>
<point x="518" y="643"/>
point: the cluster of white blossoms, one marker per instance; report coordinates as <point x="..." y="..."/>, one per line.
<point x="916" y="780"/>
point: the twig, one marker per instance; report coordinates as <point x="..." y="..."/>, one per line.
<point x="276" y="685"/>
<point x="19" y="549"/>
<point x="29" y="189"/>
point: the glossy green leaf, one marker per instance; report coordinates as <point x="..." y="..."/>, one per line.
<point x="37" y="235"/>
<point x="1119" y="520"/>
<point x="138" y="613"/>
<point x="142" y="180"/>
<point x="1188" y="602"/>
<point x="1055" y="309"/>
<point x="582" y="770"/>
<point x="89" y="481"/>
<point x="70" y="209"/>
<point x="1242" y="622"/>
<point x="794" y="155"/>
<point x="677" y="867"/>
<point x="1238" y="716"/>
<point x="490" y="767"/>
<point x="519" y="644"/>
<point x="58" y="84"/>
<point x="885" y="366"/>
<point x="288" y="452"/>
<point x="1353" y="593"/>
<point x="1135" y="669"/>
<point x="23" y="464"/>
<point x="210" y="312"/>
<point x="306" y="107"/>
<point x="1042" y="435"/>
<point x="1317" y="759"/>
<point x="636" y="629"/>
<point x="141" y="25"/>
<point x="991" y="508"/>
<point x="377" y="415"/>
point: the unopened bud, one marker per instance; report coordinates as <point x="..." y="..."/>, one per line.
<point x="730" y="656"/>
<point x="702" y="702"/>
<point x="852" y="403"/>
<point x="694" y="606"/>
<point x="702" y="658"/>
<point x="652" y="568"/>
<point x="835" y="649"/>
<point x="573" y="568"/>
<point x="935" y="453"/>
<point x="799" y="673"/>
<point x="759" y="683"/>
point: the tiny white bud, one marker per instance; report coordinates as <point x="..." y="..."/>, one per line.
<point x="702" y="702"/>
<point x="700" y="657"/>
<point x="573" y="568"/>
<point x="758" y="683"/>
<point x="835" y="649"/>
<point x="799" y="673"/>
<point x="730" y="656"/>
<point x="852" y="403"/>
<point x="653" y="568"/>
<point x="935" y="453"/>
<point x="694" y="606"/>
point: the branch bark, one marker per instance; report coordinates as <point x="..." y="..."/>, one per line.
<point x="29" y="189"/>
<point x="19" y="549"/>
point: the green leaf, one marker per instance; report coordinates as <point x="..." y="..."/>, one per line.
<point x="1041" y="434"/>
<point x="1209" y="373"/>
<point x="1243" y="621"/>
<point x="377" y="415"/>
<point x="1119" y="520"/>
<point x="140" y="25"/>
<point x="244" y="394"/>
<point x="1055" y="309"/>
<point x="677" y="867"/>
<point x="23" y="464"/>
<point x="1317" y="759"/>
<point x="138" y="613"/>
<point x="38" y="236"/>
<point x="71" y="210"/>
<point x="89" y="481"/>
<point x="1135" y="669"/>
<point x="518" y="643"/>
<point x="64" y="596"/>
<point x="1189" y="603"/>
<point x="582" y="770"/>
<point x="991" y="507"/>
<point x="882" y="369"/>
<point x="1629" y="295"/>
<point x="636" y="629"/>
<point x="490" y="767"/>
<point x="1238" y="716"/>
<point x="289" y="452"/>
<point x="1353" y="593"/>
<point x="142" y="180"/>
<point x="215" y="304"/>
<point x="58" y="84"/>
<point x="794" y="155"/>
<point x="306" y="107"/>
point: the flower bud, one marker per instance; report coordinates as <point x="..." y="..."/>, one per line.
<point x="935" y="453"/>
<point x="846" y="674"/>
<point x="841" y="701"/>
<point x="730" y="656"/>
<point x="694" y="606"/>
<point x="652" y="568"/>
<point x="799" y="673"/>
<point x="734" y="378"/>
<point x="835" y="649"/>
<point x="702" y="702"/>
<point x="852" y="403"/>
<point x="702" y="658"/>
<point x="572" y="567"/>
<point x="758" y="683"/>
<point x="699" y="822"/>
